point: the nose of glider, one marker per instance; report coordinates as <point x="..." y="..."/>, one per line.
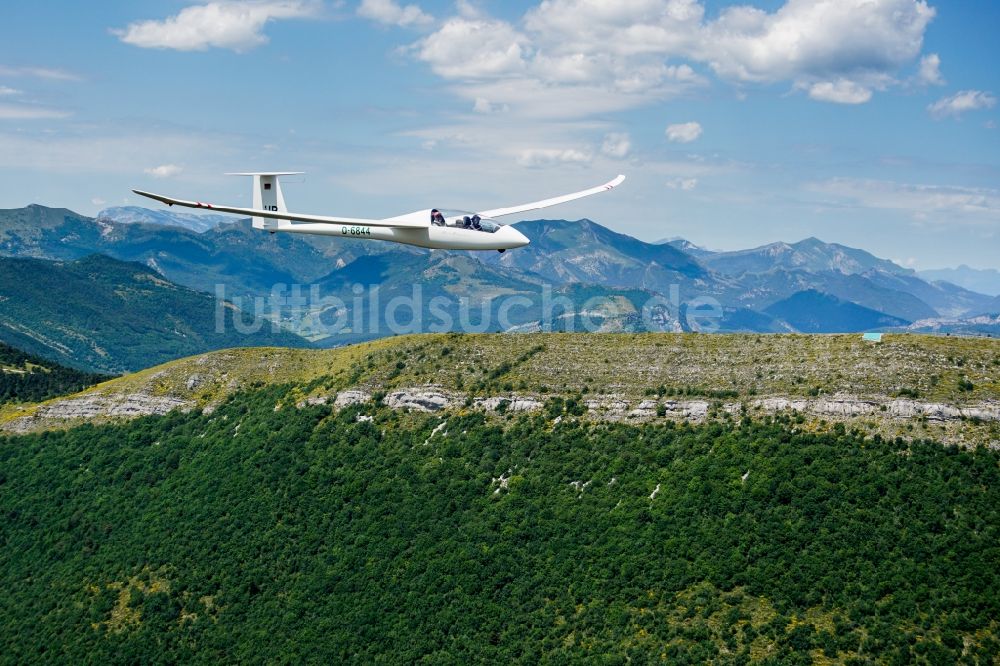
<point x="514" y="238"/>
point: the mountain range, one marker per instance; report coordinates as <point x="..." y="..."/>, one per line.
<point x="982" y="280"/>
<point x="585" y="268"/>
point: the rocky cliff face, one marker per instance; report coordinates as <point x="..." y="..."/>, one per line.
<point x="614" y="377"/>
<point x="889" y="413"/>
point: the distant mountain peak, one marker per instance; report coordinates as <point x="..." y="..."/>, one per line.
<point x="810" y="254"/>
<point x="196" y="222"/>
<point x="812" y="241"/>
<point x="685" y="245"/>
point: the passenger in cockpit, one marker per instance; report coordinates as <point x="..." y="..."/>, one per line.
<point x="476" y="222"/>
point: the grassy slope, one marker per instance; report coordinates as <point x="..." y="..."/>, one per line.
<point x="622" y="364"/>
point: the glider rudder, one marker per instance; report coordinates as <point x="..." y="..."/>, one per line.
<point x="267" y="196"/>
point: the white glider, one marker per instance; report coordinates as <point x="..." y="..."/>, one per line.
<point x="430" y="228"/>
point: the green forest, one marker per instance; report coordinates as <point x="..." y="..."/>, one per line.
<point x="28" y="378"/>
<point x="265" y="533"/>
<point x="103" y="315"/>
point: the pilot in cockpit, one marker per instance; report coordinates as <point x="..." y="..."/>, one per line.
<point x="437" y="218"/>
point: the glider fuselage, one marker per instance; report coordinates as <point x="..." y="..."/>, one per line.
<point x="433" y="237"/>
<point x="452" y="236"/>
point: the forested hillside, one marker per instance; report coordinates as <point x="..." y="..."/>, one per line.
<point x="28" y="378"/>
<point x="101" y="314"/>
<point x="269" y="533"/>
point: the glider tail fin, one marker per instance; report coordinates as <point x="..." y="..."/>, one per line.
<point x="267" y="196"/>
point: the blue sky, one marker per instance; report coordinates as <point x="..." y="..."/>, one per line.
<point x="872" y="123"/>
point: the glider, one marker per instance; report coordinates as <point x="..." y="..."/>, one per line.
<point x="430" y="228"/>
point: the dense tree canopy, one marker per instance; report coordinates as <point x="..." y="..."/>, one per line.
<point x="262" y="532"/>
<point x="28" y="378"/>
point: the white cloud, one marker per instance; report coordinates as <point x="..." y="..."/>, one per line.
<point x="227" y="24"/>
<point x="5" y="91"/>
<point x="541" y="157"/>
<point x="537" y="76"/>
<point x="30" y="112"/>
<point x="685" y="184"/>
<point x="623" y="28"/>
<point x="930" y="70"/>
<point x="816" y="40"/>
<point x="683" y="132"/>
<point x="616" y="144"/>
<point x="474" y="49"/>
<point x="390" y="12"/>
<point x="960" y="102"/>
<point x="841" y="91"/>
<point x="163" y="171"/>
<point x="97" y="201"/>
<point x="643" y="50"/>
<point x="930" y="203"/>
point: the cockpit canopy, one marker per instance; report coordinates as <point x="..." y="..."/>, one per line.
<point x="463" y="220"/>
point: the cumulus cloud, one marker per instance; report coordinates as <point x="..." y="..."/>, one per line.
<point x="960" y="102"/>
<point x="616" y="144"/>
<point x="930" y="70"/>
<point x="227" y="24"/>
<point x="840" y="92"/>
<point x="683" y="132"/>
<point x="390" y="12"/>
<point x="685" y="184"/>
<point x="163" y="171"/>
<point x="647" y="50"/>
<point x="474" y="48"/>
<point x="541" y="157"/>
<point x="534" y="73"/>
<point x="810" y="40"/>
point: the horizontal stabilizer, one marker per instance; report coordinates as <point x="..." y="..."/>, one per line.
<point x="265" y="173"/>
